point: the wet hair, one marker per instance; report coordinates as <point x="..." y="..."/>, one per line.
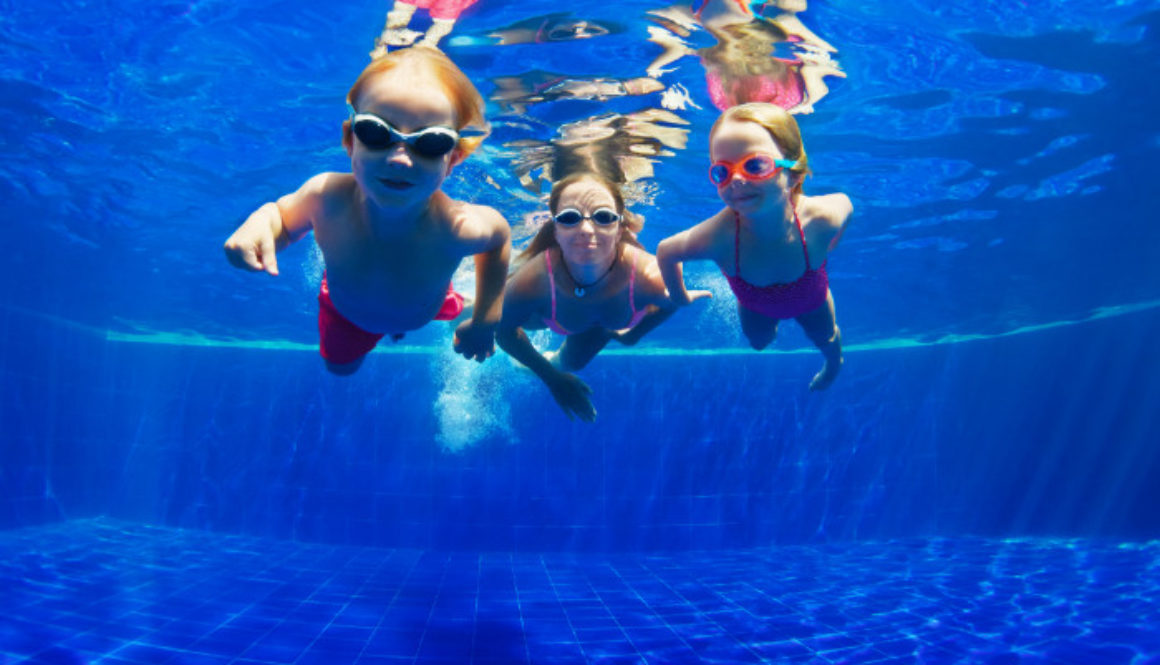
<point x="545" y="238"/>
<point x="781" y="127"/>
<point x="465" y="98"/>
<point x="746" y="49"/>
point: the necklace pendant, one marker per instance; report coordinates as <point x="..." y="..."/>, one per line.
<point x="579" y="291"/>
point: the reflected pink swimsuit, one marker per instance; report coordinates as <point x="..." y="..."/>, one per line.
<point x="447" y="10"/>
<point x="554" y="325"/>
<point x="780" y="300"/>
<point x="786" y="92"/>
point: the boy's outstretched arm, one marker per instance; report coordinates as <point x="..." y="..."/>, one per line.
<point x="272" y="227"/>
<point x="475" y="338"/>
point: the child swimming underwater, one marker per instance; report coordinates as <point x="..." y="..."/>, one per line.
<point x="390" y="238"/>
<point x="771" y="240"/>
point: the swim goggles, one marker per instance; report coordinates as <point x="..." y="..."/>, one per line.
<point x="575" y="30"/>
<point x="378" y="134"/>
<point x="755" y="167"/>
<point x="570" y="217"/>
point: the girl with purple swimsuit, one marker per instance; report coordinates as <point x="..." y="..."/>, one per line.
<point x="771" y="240"/>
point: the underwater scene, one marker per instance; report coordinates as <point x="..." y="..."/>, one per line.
<point x="454" y="331"/>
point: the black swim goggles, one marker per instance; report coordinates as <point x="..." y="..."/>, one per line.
<point x="378" y="134"/>
<point x="570" y="217"/>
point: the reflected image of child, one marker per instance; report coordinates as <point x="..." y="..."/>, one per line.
<point x="390" y="238"/>
<point x="397" y="32"/>
<point x="747" y="63"/>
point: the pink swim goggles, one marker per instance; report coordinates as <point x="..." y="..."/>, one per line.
<point x="754" y="167"/>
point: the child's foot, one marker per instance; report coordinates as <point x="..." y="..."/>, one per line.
<point x="394" y="37"/>
<point x="824" y="378"/>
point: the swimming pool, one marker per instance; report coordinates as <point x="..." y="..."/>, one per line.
<point x="181" y="481"/>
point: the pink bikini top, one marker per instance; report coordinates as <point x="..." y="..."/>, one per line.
<point x="779" y="301"/>
<point x="554" y="325"/>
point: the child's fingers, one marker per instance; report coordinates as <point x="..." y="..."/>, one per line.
<point x="249" y="259"/>
<point x="268" y="256"/>
<point x="588" y="412"/>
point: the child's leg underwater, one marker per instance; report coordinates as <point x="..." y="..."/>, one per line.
<point x="759" y="329"/>
<point x="579" y="349"/>
<point x="821" y="326"/>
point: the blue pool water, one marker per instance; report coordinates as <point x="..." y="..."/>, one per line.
<point x="182" y="482"/>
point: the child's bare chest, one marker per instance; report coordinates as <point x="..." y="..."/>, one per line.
<point x="387" y="284"/>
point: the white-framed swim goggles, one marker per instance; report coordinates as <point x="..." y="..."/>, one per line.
<point x="569" y="217"/>
<point x="377" y="134"/>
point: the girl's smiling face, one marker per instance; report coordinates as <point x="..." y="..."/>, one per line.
<point x="398" y="176"/>
<point x="587" y="243"/>
<point x="732" y="142"/>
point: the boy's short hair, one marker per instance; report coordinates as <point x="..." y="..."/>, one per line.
<point x="460" y="90"/>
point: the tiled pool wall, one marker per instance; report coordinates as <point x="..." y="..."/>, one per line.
<point x="1043" y="433"/>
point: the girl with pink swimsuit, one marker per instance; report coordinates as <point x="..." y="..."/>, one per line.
<point x="771" y="240"/>
<point x="586" y="277"/>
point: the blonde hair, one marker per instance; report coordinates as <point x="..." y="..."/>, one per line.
<point x="545" y="238"/>
<point x="782" y="128"/>
<point x="465" y="98"/>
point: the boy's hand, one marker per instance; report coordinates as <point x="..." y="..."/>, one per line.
<point x="253" y="246"/>
<point x="475" y="341"/>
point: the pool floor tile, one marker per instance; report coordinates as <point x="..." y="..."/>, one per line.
<point x="101" y="591"/>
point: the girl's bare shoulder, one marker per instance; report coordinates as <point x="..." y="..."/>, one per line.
<point x="827" y="210"/>
<point x="716" y="233"/>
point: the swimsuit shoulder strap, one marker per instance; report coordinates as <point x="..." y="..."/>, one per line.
<point x="802" y="234"/>
<point x="632" y="286"/>
<point x="551" y="281"/>
<point x="736" y="244"/>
